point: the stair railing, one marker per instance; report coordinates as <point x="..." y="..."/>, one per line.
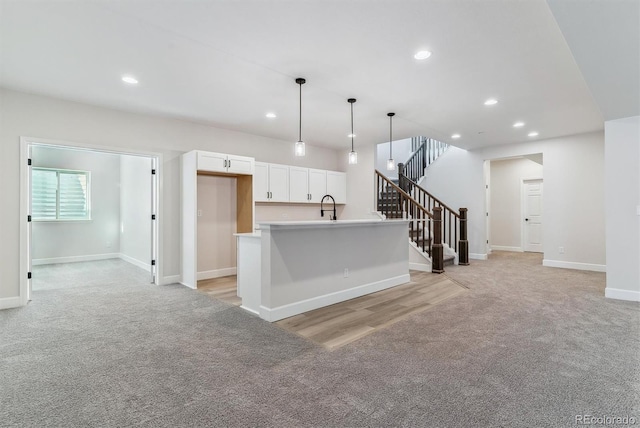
<point x="394" y="202"/>
<point x="425" y="154"/>
<point x="454" y="223"/>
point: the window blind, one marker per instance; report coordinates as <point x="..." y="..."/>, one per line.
<point x="59" y="194"/>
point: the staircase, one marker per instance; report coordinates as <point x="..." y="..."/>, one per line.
<point x="436" y="230"/>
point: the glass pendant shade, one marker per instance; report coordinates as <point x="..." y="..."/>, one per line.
<point x="353" y="158"/>
<point x="391" y="165"/>
<point x="299" y="148"/>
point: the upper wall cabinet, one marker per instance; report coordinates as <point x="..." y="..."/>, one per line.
<point x="220" y="162"/>
<point x="307" y="184"/>
<point x="310" y="185"/>
<point x="271" y="182"/>
<point x="337" y="186"/>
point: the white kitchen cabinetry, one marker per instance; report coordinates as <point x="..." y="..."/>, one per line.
<point x="317" y="185"/>
<point x="220" y="162"/>
<point x="337" y="186"/>
<point x="271" y="182"/>
<point x="307" y="184"/>
<point x="195" y="163"/>
<point x="298" y="184"/>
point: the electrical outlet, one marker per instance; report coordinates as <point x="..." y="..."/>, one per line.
<point x="199" y="213"/>
<point x="346" y="272"/>
<point x="560" y="250"/>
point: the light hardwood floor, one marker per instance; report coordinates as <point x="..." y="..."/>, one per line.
<point x="337" y="325"/>
<point x="224" y="288"/>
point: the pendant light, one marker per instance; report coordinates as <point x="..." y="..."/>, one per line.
<point x="353" y="156"/>
<point x="391" y="165"/>
<point x="299" y="146"/>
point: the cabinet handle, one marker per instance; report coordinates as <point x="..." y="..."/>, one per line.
<point x="225" y="163"/>
<point x="229" y="163"/>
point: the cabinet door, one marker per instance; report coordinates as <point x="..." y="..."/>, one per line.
<point x="337" y="186"/>
<point x="317" y="184"/>
<point x="261" y="182"/>
<point x="215" y="162"/>
<point x="240" y="165"/>
<point x="279" y="182"/>
<point x="298" y="184"/>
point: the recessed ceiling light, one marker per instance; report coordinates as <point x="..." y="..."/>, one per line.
<point x="422" y="55"/>
<point x="490" y="102"/>
<point x="130" y="80"/>
<point x="351" y="135"/>
<point x="455" y="136"/>
<point x="518" y="124"/>
<point x="533" y="134"/>
<point x="271" y="115"/>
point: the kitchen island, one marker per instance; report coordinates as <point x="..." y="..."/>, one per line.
<point x="288" y="268"/>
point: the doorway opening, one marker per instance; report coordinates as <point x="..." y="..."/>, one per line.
<point x="90" y="216"/>
<point x="514" y="203"/>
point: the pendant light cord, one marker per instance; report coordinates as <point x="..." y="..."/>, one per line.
<point x="390" y="135"/>
<point x="300" y="115"/>
<point x="352" y="126"/>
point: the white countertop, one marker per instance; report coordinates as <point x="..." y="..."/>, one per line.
<point x="329" y="223"/>
<point x="255" y="234"/>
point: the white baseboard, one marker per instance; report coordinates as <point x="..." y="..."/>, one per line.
<point x="616" y="293"/>
<point x="505" y="248"/>
<point x="217" y="273"/>
<point x="170" y="279"/>
<point x="286" y="311"/>
<point x="10" y="302"/>
<point x="250" y="310"/>
<point x="73" y="259"/>
<point x="423" y="267"/>
<point x="574" y="265"/>
<point x="187" y="285"/>
<point x="136" y="262"/>
<point x="478" y="256"/>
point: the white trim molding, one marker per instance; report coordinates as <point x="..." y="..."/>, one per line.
<point x="574" y="265"/>
<point x="478" y="256"/>
<point x="216" y="273"/>
<point x="422" y="267"/>
<point x="10" y="302"/>
<point x="170" y="279"/>
<point x="135" y="262"/>
<point x="73" y="259"/>
<point x="286" y="311"/>
<point x="618" y="294"/>
<point x="505" y="248"/>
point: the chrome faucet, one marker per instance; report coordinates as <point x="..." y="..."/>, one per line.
<point x="335" y="217"/>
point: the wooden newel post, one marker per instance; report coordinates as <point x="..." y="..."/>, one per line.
<point x="437" y="252"/>
<point x="463" y="257"/>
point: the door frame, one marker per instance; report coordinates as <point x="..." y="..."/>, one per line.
<point x="26" y="144"/>
<point x="523" y="214"/>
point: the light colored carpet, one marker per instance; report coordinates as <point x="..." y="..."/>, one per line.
<point x="527" y="346"/>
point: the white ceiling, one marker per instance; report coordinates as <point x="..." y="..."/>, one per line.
<point x="228" y="62"/>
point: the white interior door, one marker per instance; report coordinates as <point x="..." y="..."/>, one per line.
<point x="532" y="210"/>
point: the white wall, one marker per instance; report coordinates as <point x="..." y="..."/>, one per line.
<point x="55" y="241"/>
<point x="622" y="184"/>
<point x="30" y="115"/>
<point x="505" y="209"/>
<point x="573" y="195"/>
<point x="401" y="152"/>
<point x="216" y="225"/>
<point x="135" y="210"/>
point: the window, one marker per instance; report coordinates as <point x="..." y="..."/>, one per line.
<point x="59" y="194"/>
